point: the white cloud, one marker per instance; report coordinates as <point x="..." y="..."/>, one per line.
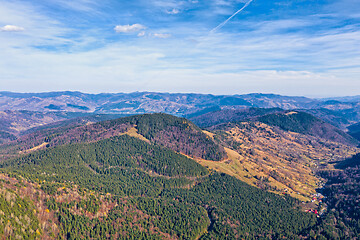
<point x="162" y="35"/>
<point x="141" y="34"/>
<point x="45" y="30"/>
<point x="174" y="11"/>
<point x="129" y="28"/>
<point x="11" y="28"/>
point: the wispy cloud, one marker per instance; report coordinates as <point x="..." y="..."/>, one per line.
<point x="78" y="5"/>
<point x="11" y="28"/>
<point x="141" y="34"/>
<point x="129" y="28"/>
<point x="162" y="35"/>
<point x="174" y="11"/>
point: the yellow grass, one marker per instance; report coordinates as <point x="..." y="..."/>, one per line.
<point x="291" y="113"/>
<point x="237" y="166"/>
<point x="35" y="148"/>
<point x="133" y="132"/>
<point x="210" y="134"/>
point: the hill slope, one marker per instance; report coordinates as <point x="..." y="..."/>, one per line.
<point x="13" y="124"/>
<point x="305" y="123"/>
<point x="230" y="115"/>
<point x="175" y="133"/>
<point x="295" y="121"/>
<point x="154" y="193"/>
<point x="354" y="131"/>
<point x="273" y="159"/>
<point x="128" y="178"/>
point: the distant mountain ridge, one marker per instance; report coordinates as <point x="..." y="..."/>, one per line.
<point x="180" y="104"/>
<point x="146" y="102"/>
<point x="29" y="110"/>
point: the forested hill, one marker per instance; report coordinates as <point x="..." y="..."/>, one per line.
<point x="295" y="121"/>
<point x="169" y="131"/>
<point x="124" y="188"/>
<point x="354" y="130"/>
<point x="305" y="123"/>
<point x="14" y="124"/>
<point x="178" y="134"/>
<point x="129" y="178"/>
<point x="230" y="115"/>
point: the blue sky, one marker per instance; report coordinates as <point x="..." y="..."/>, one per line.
<point x="299" y="47"/>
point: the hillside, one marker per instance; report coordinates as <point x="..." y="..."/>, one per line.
<point x="342" y="196"/>
<point x="354" y="131"/>
<point x="262" y="155"/>
<point x="122" y="186"/>
<point x="175" y="133"/>
<point x="178" y="134"/>
<point x="231" y="115"/>
<point x="305" y="123"/>
<point x="339" y="119"/>
<point x="273" y="159"/>
<point x="295" y="121"/>
<point x="157" y="176"/>
<point x="12" y="123"/>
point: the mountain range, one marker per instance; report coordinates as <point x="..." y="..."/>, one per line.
<point x="179" y="104"/>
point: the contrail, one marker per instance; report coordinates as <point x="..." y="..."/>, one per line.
<point x="226" y="21"/>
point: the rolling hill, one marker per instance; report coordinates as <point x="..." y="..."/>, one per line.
<point x="175" y="133"/>
<point x="305" y="123"/>
<point x="230" y="115"/>
<point x="12" y="123"/>
<point x="251" y="174"/>
<point x="122" y="186"/>
<point x="275" y="159"/>
<point x="295" y="121"/>
<point x="16" y="123"/>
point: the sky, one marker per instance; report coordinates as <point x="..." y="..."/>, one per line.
<point x="299" y="47"/>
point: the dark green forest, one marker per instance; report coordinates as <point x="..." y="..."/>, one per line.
<point x="123" y="165"/>
<point x="178" y="134"/>
<point x="178" y="196"/>
<point x="307" y="124"/>
<point x="342" y="193"/>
